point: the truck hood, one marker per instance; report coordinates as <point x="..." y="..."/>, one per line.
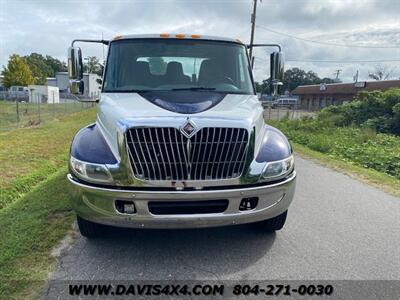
<point x="119" y="111"/>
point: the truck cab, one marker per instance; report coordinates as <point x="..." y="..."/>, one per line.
<point x="179" y="139"/>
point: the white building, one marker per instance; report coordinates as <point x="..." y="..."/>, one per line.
<point x="90" y="80"/>
<point x="1" y="83"/>
<point x="43" y="94"/>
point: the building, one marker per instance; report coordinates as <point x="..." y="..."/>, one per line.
<point x="91" y="83"/>
<point x="43" y="94"/>
<point x="2" y="88"/>
<point x="314" y="97"/>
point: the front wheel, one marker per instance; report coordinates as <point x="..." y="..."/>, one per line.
<point x="89" y="229"/>
<point x="273" y="224"/>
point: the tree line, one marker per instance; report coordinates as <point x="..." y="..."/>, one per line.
<point x="293" y="78"/>
<point x="35" y="68"/>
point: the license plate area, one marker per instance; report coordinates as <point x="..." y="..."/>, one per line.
<point x="187" y="207"/>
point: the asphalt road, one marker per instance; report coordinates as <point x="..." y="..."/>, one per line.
<point x="337" y="228"/>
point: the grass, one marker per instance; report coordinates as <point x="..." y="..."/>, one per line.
<point x="377" y="179"/>
<point x="29" y="229"/>
<point x="29" y="155"/>
<point x="35" y="211"/>
<point x="359" y="152"/>
<point x="360" y="146"/>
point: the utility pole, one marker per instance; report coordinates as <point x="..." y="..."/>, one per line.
<point x="337" y="72"/>
<point x="355" y="77"/>
<point x="253" y="25"/>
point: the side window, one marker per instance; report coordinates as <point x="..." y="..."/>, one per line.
<point x="244" y="76"/>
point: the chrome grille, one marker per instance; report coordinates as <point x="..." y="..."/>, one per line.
<point x="166" y="154"/>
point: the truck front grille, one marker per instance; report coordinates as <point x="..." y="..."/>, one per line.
<point x="166" y="154"/>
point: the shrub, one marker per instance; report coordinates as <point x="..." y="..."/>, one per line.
<point x="377" y="110"/>
<point x="357" y="131"/>
<point x="362" y="146"/>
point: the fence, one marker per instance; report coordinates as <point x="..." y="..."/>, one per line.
<point x="16" y="113"/>
<point x="279" y="112"/>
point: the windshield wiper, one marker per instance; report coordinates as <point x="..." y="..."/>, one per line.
<point x="194" y="88"/>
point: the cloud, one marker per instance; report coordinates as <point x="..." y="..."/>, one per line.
<point x="48" y="27"/>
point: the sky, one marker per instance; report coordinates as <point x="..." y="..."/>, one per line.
<point x="49" y="26"/>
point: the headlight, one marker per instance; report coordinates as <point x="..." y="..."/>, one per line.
<point x="90" y="171"/>
<point x="279" y="168"/>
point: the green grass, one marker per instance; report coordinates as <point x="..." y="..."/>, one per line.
<point x="361" y="146"/>
<point x="29" y="229"/>
<point x="29" y="155"/>
<point x="377" y="179"/>
<point x="361" y="152"/>
<point x="30" y="114"/>
<point x="35" y="211"/>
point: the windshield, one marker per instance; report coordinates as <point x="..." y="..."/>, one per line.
<point x="139" y="65"/>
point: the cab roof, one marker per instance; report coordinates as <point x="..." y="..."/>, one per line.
<point x="177" y="36"/>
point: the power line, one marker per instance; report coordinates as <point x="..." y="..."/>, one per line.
<point x="327" y="43"/>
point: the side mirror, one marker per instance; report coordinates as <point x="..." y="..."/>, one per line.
<point x="277" y="68"/>
<point x="75" y="70"/>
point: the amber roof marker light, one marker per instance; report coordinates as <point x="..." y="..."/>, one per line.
<point x="195" y="36"/>
<point x="180" y="36"/>
<point x="164" y="35"/>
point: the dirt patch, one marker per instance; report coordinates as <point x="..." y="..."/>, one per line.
<point x="66" y="243"/>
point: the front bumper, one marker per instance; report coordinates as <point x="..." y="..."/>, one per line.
<point x="97" y="204"/>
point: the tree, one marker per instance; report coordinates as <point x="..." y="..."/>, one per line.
<point x="328" y="80"/>
<point x="56" y="65"/>
<point x="17" y="72"/>
<point x="43" y="67"/>
<point x="381" y="72"/>
<point x="264" y="87"/>
<point x="292" y="79"/>
<point x="296" y="76"/>
<point x="40" y="69"/>
<point x="93" y="66"/>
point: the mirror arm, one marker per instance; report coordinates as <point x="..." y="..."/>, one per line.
<point x="265" y="45"/>
<point x="105" y="42"/>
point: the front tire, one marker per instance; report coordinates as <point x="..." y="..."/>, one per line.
<point x="273" y="224"/>
<point x="89" y="229"/>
